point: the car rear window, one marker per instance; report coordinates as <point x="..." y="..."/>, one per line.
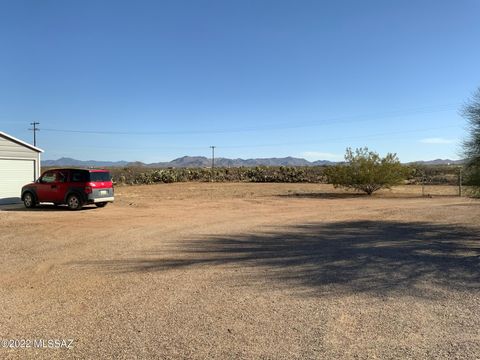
<point x="100" y="176"/>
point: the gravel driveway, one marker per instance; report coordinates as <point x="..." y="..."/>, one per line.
<point x="267" y="271"/>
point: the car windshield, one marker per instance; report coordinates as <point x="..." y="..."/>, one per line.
<point x="100" y="176"/>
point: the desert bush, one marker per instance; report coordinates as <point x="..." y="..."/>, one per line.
<point x="288" y="174"/>
<point x="131" y="175"/>
<point x="366" y="171"/>
<point x="434" y="174"/>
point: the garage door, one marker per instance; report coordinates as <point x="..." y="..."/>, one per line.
<point x="13" y="175"/>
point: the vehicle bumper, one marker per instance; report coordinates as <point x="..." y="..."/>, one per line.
<point x="100" y="196"/>
<point x="103" y="199"/>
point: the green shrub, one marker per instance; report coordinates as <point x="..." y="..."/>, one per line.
<point x="366" y="171"/>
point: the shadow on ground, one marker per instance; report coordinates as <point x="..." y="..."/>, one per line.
<point x="21" y="208"/>
<point x="325" y="195"/>
<point x="351" y="195"/>
<point x="355" y="256"/>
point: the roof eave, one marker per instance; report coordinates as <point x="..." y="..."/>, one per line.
<point x="18" y="141"/>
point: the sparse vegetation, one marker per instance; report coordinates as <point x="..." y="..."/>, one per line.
<point x="366" y="171"/>
<point x="136" y="175"/>
<point x="472" y="145"/>
<point x="434" y="174"/>
<point x="281" y="174"/>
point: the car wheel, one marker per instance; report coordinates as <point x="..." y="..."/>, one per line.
<point x="102" y="204"/>
<point x="29" y="200"/>
<point x="74" y="202"/>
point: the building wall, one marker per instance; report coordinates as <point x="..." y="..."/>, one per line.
<point x="11" y="150"/>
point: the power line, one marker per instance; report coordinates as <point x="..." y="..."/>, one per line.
<point x="383" y="136"/>
<point x="330" y="140"/>
<point x="277" y="126"/>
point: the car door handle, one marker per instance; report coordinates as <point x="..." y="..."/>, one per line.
<point x="54" y="186"/>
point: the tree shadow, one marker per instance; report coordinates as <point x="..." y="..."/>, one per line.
<point x="333" y="258"/>
<point x="325" y="195"/>
<point x="359" y="195"/>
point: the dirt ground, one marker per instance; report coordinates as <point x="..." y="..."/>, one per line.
<point x="258" y="271"/>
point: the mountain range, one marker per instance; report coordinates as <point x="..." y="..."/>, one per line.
<point x="202" y="161"/>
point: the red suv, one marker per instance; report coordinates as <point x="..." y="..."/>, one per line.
<point x="74" y="187"/>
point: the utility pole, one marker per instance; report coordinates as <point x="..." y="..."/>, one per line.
<point x="213" y="160"/>
<point x="34" y="129"/>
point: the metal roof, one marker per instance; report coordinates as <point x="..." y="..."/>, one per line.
<point x="18" y="141"/>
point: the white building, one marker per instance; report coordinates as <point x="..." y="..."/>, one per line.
<point x="19" y="165"/>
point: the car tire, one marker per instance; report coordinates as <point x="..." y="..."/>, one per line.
<point x="29" y="200"/>
<point x="74" y="202"/>
<point x="101" y="204"/>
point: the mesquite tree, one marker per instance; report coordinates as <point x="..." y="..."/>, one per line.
<point x="366" y="171"/>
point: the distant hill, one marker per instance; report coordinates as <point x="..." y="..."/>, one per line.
<point x="202" y="161"/>
<point x="190" y="162"/>
<point x="82" y="163"/>
<point x="439" y="162"/>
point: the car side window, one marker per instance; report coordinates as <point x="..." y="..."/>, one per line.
<point x="48" y="177"/>
<point x="61" y="176"/>
<point x="78" y="176"/>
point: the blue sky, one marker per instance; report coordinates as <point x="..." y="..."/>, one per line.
<point x="155" y="80"/>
